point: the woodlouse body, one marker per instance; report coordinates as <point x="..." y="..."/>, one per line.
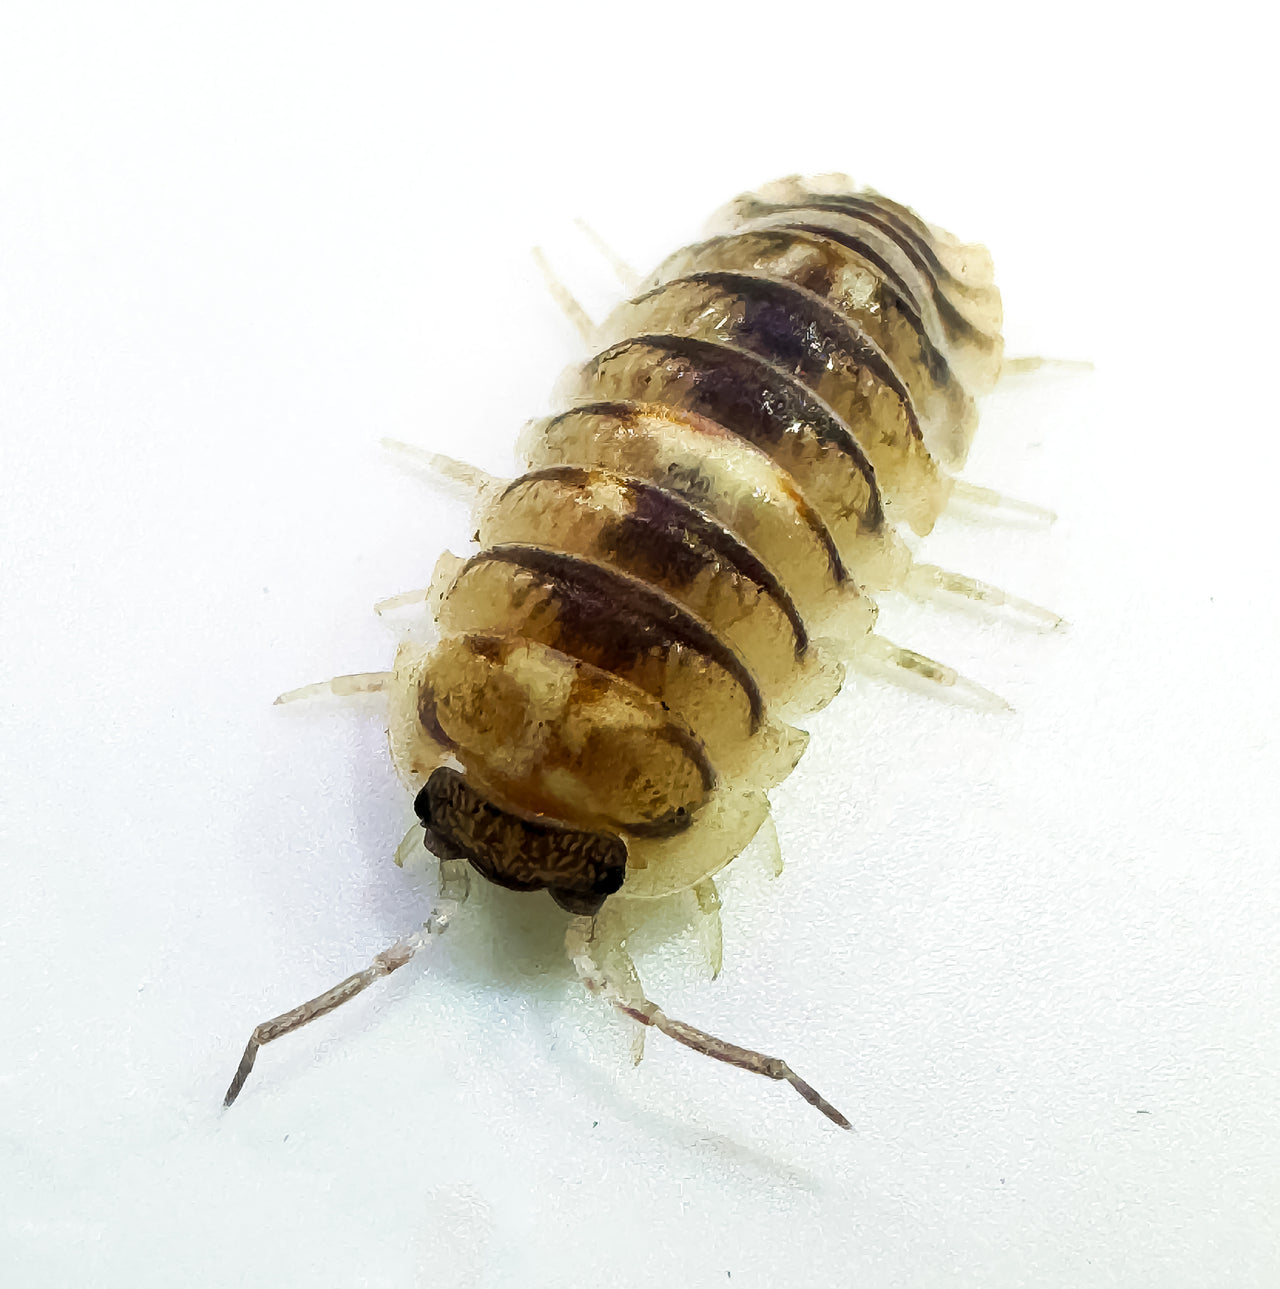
<point x="689" y="561"/>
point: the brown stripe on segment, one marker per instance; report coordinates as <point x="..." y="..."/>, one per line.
<point x="677" y="820"/>
<point x="912" y="245"/>
<point x="820" y="280"/>
<point x="859" y="246"/>
<point x="953" y="321"/>
<point x="619" y="617"/>
<point x="792" y="327"/>
<point x="630" y="412"/>
<point x="658" y="528"/>
<point x="756" y="401"/>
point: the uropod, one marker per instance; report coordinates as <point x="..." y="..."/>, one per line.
<point x="688" y="563"/>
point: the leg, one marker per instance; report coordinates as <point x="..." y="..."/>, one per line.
<point x="452" y="893"/>
<point x="568" y="303"/>
<point x="629" y="278"/>
<point x="707" y="923"/>
<point x="365" y="682"/>
<point x="609" y="944"/>
<point x="1003" y="506"/>
<point x="1032" y="363"/>
<point x="405" y="600"/>
<point x="580" y="942"/>
<point x="875" y="656"/>
<point x="772" y="848"/>
<point x="925" y="581"/>
<point x="448" y="566"/>
<point x="467" y="481"/>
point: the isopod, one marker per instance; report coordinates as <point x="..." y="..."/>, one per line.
<point x="688" y="563"/>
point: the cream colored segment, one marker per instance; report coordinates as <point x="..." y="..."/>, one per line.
<point x="947" y="414"/>
<point x="559" y="737"/>
<point x="974" y="357"/>
<point x="660" y="867"/>
<point x="908" y="478"/>
<point x="414" y="752"/>
<point x="727" y="477"/>
<point x="581" y="520"/>
<point x="972" y="295"/>
<point x="500" y="597"/>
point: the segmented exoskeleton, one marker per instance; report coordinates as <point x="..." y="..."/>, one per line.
<point x="688" y="562"/>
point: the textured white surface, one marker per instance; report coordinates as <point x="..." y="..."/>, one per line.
<point x="1035" y="959"/>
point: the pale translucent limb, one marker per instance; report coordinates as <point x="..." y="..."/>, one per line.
<point x="771" y="847"/>
<point x="364" y="682"/>
<point x="707" y="924"/>
<point x="405" y="600"/>
<point x="412" y="846"/>
<point x="610" y="944"/>
<point x="876" y="656"/>
<point x="974" y="495"/>
<point x="1032" y="363"/>
<point x="565" y="298"/>
<point x="580" y="942"/>
<point x="925" y="581"/>
<point x="629" y="278"/>
<point x="454" y="886"/>
<point x="461" y="478"/>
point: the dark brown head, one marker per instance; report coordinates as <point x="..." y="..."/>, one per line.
<point x="522" y="852"/>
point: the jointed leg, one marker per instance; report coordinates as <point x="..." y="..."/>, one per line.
<point x="1034" y="363"/>
<point x="926" y="581"/>
<point x="452" y="893"/>
<point x="568" y="302"/>
<point x="465" y="480"/>
<point x="873" y="655"/>
<point x="580" y="941"/>
<point x="365" y="682"/>
<point x="998" y="505"/>
<point x="629" y="278"/>
<point x="707" y="924"/>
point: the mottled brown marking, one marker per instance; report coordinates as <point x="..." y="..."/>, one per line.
<point x="755" y="400"/>
<point x="614" y="621"/>
<point x="797" y="331"/>
<point x="520" y="851"/>
<point x="628" y="413"/>
<point x="954" y="323"/>
<point x="666" y="537"/>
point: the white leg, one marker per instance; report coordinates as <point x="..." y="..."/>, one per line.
<point x="873" y="655"/>
<point x="565" y="298"/>
<point x="1001" y="505"/>
<point x="926" y="581"/>
<point x="580" y="942"/>
<point x="1025" y="366"/>
<point x="453" y="891"/>
<point x="459" y="477"/>
<point x="771" y="846"/>
<point x="364" y="682"/>
<point x="629" y="278"/>
<point x="706" y="920"/>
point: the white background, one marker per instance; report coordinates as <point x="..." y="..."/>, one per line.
<point x="1034" y="958"/>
